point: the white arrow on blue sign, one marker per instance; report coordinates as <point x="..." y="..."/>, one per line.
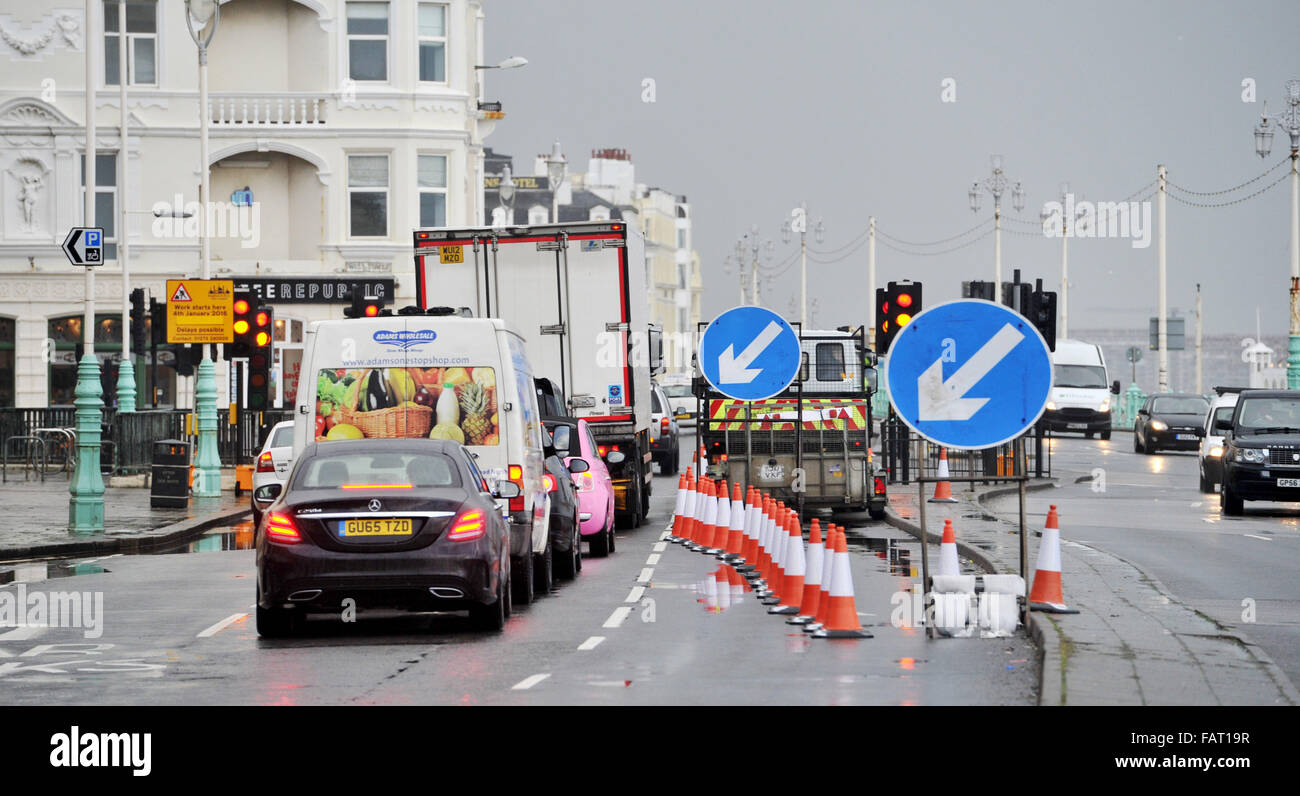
<point x="969" y="374"/>
<point x="749" y="353"/>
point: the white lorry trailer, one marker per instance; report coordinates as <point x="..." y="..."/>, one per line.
<point x="577" y="293"/>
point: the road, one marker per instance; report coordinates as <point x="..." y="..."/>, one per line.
<point x="1149" y="511"/>
<point x="632" y="629"/>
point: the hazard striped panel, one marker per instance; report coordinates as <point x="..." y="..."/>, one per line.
<point x="780" y="414"/>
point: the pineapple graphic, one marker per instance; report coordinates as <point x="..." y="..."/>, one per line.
<point x="475" y="409"/>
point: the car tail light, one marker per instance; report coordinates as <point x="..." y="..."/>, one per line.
<point x="265" y="464"/>
<point x="586" y="481"/>
<point x="601" y="450"/>
<point x="548" y="481"/>
<point x="516" y="474"/>
<point x="468" y="526"/>
<point x="663" y="427"/>
<point x="281" y="528"/>
<point x="880" y="486"/>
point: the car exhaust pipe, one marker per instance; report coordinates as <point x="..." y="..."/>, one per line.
<point x="446" y="592"/>
<point x="304" y="595"/>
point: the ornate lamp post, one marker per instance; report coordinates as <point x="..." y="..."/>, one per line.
<point x="202" y="18"/>
<point x="798" y="222"/>
<point x="506" y="193"/>
<point x="996" y="184"/>
<point x="1289" y="121"/>
<point x="557" y="168"/>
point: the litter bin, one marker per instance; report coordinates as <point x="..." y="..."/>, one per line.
<point x="170" y="484"/>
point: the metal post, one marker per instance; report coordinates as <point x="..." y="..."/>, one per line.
<point x="925" y="563"/>
<point x="803" y="271"/>
<point x="1293" y="346"/>
<point x="1065" y="275"/>
<point x="997" y="248"/>
<point x="86" y="506"/>
<point x="871" y="280"/>
<point x="1162" y="323"/>
<point x="1199" y="383"/>
<point x="126" y="389"/>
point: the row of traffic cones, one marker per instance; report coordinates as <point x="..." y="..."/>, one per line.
<point x="762" y="540"/>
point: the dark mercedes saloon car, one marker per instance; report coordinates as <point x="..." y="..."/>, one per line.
<point x="409" y="524"/>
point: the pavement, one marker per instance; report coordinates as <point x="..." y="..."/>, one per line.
<point x="1134" y="640"/>
<point x="34" y="520"/>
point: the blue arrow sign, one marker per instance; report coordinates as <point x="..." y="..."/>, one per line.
<point x="969" y="374"/>
<point x="749" y="353"/>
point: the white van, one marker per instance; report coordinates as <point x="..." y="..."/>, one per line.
<point x="442" y="377"/>
<point x="1082" y="395"/>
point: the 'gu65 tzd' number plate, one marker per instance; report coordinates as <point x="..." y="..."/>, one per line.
<point x="381" y="526"/>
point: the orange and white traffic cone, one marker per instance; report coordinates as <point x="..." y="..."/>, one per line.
<point x="943" y="489"/>
<point x="824" y="597"/>
<point x="688" y="512"/>
<point x="736" y="531"/>
<point x="721" y="522"/>
<point x="706" y="511"/>
<point x="795" y="569"/>
<point x="747" y="566"/>
<point x="1046" y="594"/>
<point x="948" y="551"/>
<point x="842" y="612"/>
<point x="764" y="543"/>
<point x="776" y="545"/>
<point x="678" y="509"/>
<point x="812" y="580"/>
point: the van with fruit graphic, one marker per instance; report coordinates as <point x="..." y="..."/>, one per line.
<point x="437" y="377"/>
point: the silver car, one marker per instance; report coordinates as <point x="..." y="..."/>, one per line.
<point x="272" y="467"/>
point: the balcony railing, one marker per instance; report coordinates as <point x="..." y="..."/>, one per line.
<point x="267" y="110"/>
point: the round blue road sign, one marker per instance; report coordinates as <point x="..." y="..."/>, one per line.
<point x="969" y="374"/>
<point x="749" y="353"/>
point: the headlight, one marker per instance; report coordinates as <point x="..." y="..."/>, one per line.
<point x="1159" y="425"/>
<point x="1104" y="406"/>
<point x="1250" y="455"/>
<point x="1216" y="451"/>
<point x="1051" y="406"/>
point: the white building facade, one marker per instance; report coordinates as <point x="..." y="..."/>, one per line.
<point x="336" y="128"/>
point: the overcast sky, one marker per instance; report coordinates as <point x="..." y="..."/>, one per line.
<point x="760" y="105"/>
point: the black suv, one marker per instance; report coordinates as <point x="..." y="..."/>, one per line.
<point x="1261" y="449"/>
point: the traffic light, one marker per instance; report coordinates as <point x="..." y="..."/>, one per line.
<point x="260" y="356"/>
<point x="243" y="309"/>
<point x="977" y="290"/>
<point x="363" y="306"/>
<point x="1042" y="314"/>
<point x="895" y="309"/>
<point x="139" y="332"/>
<point x="157" y="322"/>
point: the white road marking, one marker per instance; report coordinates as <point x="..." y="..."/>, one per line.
<point x="660" y="547"/>
<point x="616" y="618"/>
<point x="634" y="596"/>
<point x="1253" y="536"/>
<point x="653" y="560"/>
<point x="591" y="643"/>
<point x="22" y="633"/>
<point x="222" y="625"/>
<point x="665" y="534"/>
<point x="646" y="575"/>
<point x="529" y="682"/>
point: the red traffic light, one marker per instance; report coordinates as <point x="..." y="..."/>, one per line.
<point x="263" y="318"/>
<point x="904" y="300"/>
<point x="372" y="310"/>
<point x="241" y="307"/>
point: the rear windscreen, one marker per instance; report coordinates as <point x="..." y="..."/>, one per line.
<point x="390" y="470"/>
<point x="282" y="437"/>
<point x="383" y="403"/>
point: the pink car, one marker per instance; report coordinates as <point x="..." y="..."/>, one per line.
<point x="595" y="488"/>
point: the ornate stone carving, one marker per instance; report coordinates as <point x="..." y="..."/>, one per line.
<point x="65" y="24"/>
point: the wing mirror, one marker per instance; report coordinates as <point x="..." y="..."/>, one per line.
<point x="1114" y="387"/>
<point x="578" y="466"/>
<point x="267" y="492"/>
<point x="1223" y="424"/>
<point x="506" y="489"/>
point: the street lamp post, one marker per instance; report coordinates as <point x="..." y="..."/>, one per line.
<point x="798" y="222"/>
<point x="126" y="370"/>
<point x="1064" y="330"/>
<point x="557" y="168"/>
<point x="506" y="193"/>
<point x="756" y="245"/>
<point x="202" y="18"/>
<point x="86" y="505"/>
<point x="1289" y="121"/>
<point x="996" y="184"/>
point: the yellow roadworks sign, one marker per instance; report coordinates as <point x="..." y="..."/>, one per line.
<point x="199" y="311"/>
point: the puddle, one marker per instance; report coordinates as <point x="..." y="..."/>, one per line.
<point x="37" y="571"/>
<point x="239" y="537"/>
<point x="721" y="589"/>
<point x="897" y="557"/>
